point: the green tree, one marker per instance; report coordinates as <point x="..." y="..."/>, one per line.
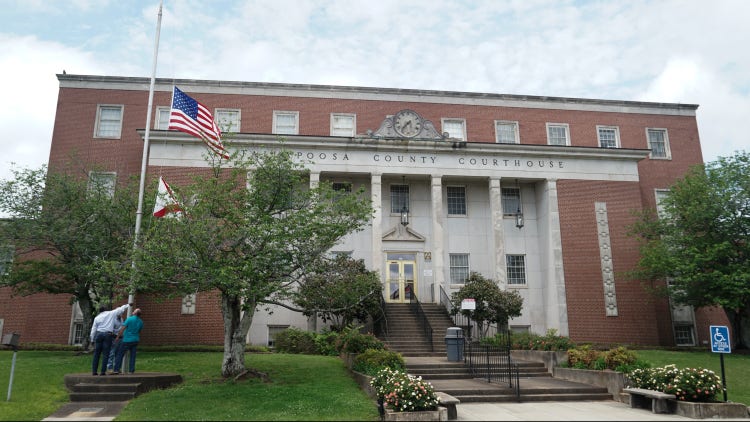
<point x="69" y="234"/>
<point x="700" y="241"/>
<point x="493" y="305"/>
<point x="341" y="291"/>
<point x="252" y="232"/>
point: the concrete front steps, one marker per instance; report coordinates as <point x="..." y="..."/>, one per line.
<point x="405" y="334"/>
<point x="116" y="388"/>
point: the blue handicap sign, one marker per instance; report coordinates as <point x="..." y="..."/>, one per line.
<point x="720" y="339"/>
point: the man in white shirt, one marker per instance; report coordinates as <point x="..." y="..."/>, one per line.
<point x="102" y="335"/>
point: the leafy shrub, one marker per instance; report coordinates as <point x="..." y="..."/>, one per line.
<point x="350" y="340"/>
<point x="619" y="359"/>
<point x="549" y="341"/>
<point x="619" y="356"/>
<point x="582" y="357"/>
<point x="403" y="392"/>
<point x="326" y="342"/>
<point x="371" y="361"/>
<point x="690" y="384"/>
<point x="294" y="340"/>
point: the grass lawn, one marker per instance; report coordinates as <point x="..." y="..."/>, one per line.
<point x="302" y="387"/>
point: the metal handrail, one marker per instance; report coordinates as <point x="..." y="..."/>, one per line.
<point x="416" y="308"/>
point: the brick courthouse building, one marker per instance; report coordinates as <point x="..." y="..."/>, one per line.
<point x="533" y="192"/>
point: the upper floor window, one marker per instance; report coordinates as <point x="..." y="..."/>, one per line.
<point x="286" y="122"/>
<point x="161" y="120"/>
<point x="6" y="258"/>
<point x="399" y="198"/>
<point x="558" y="134"/>
<point x="515" y="267"/>
<point x="102" y="182"/>
<point x="343" y="124"/>
<point x="455" y="128"/>
<point x="506" y="132"/>
<point x="459" y="267"/>
<point x="228" y="120"/>
<point x="108" y="121"/>
<point x="658" y="142"/>
<point x="609" y="136"/>
<point x="511" y="199"/>
<point x="456" y="200"/>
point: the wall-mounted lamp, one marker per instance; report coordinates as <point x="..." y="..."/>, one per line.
<point x="404" y="216"/>
<point x="519" y="214"/>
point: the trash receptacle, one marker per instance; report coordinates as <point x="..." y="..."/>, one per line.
<point x="454" y="344"/>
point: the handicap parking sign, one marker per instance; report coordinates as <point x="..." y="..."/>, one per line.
<point x="720" y="339"/>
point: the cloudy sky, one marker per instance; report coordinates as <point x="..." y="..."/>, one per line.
<point x="677" y="51"/>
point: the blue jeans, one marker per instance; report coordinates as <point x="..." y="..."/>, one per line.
<point x="124" y="347"/>
<point x="102" y="347"/>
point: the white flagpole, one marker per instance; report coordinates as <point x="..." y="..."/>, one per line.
<point x="144" y="161"/>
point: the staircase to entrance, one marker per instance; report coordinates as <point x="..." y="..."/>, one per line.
<point x="429" y="360"/>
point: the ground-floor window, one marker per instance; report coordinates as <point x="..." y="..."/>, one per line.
<point x="516" y="269"/>
<point x="683" y="335"/>
<point x="273" y="331"/>
<point x="78" y="333"/>
<point x="459" y="264"/>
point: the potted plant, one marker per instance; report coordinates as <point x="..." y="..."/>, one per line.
<point x="403" y="397"/>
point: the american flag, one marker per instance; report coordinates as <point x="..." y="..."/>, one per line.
<point x="190" y="116"/>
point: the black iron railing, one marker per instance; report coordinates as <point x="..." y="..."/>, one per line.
<point x="416" y="309"/>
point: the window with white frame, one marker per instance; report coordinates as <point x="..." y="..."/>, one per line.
<point x="660" y="195"/>
<point x="511" y="200"/>
<point x="456" y="200"/>
<point x="683" y="335"/>
<point x="459" y="267"/>
<point x="515" y="268"/>
<point x="456" y="128"/>
<point x="108" y="121"/>
<point x="273" y="331"/>
<point x="228" y="120"/>
<point x="658" y="142"/>
<point x="399" y="198"/>
<point x="286" y="122"/>
<point x="506" y="132"/>
<point x="161" y="120"/>
<point x="609" y="136"/>
<point x="343" y="124"/>
<point x="102" y="182"/>
<point x="558" y="134"/>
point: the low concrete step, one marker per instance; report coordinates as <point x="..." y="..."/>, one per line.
<point x="110" y="396"/>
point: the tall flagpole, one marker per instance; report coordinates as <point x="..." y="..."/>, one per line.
<point x="144" y="161"/>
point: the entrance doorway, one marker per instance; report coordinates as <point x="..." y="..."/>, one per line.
<point x="401" y="277"/>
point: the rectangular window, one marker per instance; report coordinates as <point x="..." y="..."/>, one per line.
<point x="658" y="142"/>
<point x="228" y="120"/>
<point x="660" y="195"/>
<point x="6" y="259"/>
<point x="516" y="269"/>
<point x="459" y="267"/>
<point x="343" y="187"/>
<point x="456" y="200"/>
<point x="108" y="121"/>
<point x="609" y="136"/>
<point x="506" y="132"/>
<point x="273" y="331"/>
<point x="456" y="128"/>
<point x="161" y="120"/>
<point x="343" y="124"/>
<point x="511" y="198"/>
<point x="399" y="198"/>
<point x="683" y="335"/>
<point x="286" y="122"/>
<point x="557" y="134"/>
<point x="102" y="182"/>
<point x="78" y="333"/>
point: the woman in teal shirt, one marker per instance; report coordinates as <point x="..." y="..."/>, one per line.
<point x="130" y="333"/>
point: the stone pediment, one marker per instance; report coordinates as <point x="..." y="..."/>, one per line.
<point x="402" y="233"/>
<point x="407" y="124"/>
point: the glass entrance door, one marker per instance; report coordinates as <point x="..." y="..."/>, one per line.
<point x="401" y="277"/>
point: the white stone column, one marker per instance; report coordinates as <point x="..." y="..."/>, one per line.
<point x="557" y="315"/>
<point x="498" y="232"/>
<point x="438" y="264"/>
<point x="376" y="196"/>
<point x="312" y="320"/>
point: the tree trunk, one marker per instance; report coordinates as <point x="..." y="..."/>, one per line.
<point x="236" y="326"/>
<point x="87" y="310"/>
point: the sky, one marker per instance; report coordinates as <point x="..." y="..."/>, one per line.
<point x="670" y="51"/>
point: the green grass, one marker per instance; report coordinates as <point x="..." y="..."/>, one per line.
<point x="736" y="368"/>
<point x="301" y="387"/>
